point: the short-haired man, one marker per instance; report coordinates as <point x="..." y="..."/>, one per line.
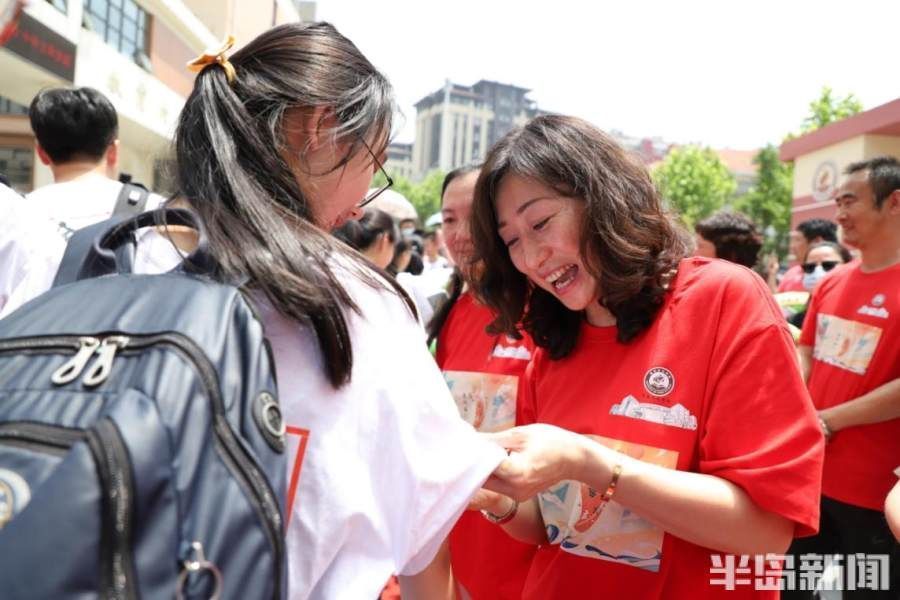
<point x="807" y="233"/>
<point x="77" y="137"/>
<point x="850" y="353"/>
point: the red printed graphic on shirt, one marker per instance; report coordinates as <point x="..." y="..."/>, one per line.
<point x="296" y="439"/>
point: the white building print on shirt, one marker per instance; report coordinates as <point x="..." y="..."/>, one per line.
<point x="675" y="416"/>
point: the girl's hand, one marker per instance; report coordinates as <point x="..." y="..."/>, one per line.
<point x="490" y="501"/>
<point x="539" y="456"/>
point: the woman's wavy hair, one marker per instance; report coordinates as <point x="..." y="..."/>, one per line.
<point x="233" y="170"/>
<point x="629" y="241"/>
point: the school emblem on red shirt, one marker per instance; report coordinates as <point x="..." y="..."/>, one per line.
<point x="659" y="381"/>
<point x="876" y="308"/>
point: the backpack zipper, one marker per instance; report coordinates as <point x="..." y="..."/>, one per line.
<point x="74" y="366"/>
<point x="49" y="439"/>
<point x="106" y="353"/>
<point x="117" y="577"/>
<point x="260" y="493"/>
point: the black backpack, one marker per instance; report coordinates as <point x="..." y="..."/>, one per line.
<point x="141" y="442"/>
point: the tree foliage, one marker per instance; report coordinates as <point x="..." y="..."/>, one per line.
<point x="769" y="201"/>
<point x="424" y="195"/>
<point x="695" y="181"/>
<point x="828" y="108"/>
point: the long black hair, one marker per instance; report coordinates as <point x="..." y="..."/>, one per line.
<point x="363" y="233"/>
<point x="233" y="170"/>
<point x="456" y="283"/>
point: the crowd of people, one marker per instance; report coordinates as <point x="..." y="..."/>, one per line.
<point x="568" y="395"/>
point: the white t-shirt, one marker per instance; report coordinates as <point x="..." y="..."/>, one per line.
<point x="29" y="251"/>
<point x="83" y="201"/>
<point x="387" y="464"/>
<point x="438" y="263"/>
<point x="52" y="213"/>
<point x="428" y="290"/>
<point x="380" y="469"/>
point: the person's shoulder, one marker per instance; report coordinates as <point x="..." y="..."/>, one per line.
<point x="706" y="286"/>
<point x="372" y="291"/>
<point x="699" y="275"/>
<point x="18" y="216"/>
<point x="85" y="187"/>
<point x="838" y="277"/>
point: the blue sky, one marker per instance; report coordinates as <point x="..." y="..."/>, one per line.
<point x="731" y="73"/>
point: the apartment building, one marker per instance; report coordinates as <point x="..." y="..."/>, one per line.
<point x="456" y="124"/>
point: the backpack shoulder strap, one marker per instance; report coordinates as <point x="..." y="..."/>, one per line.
<point x="131" y="201"/>
<point x="78" y="249"/>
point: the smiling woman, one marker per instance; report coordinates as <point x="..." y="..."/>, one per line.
<point x="668" y="421"/>
<point x="607" y="213"/>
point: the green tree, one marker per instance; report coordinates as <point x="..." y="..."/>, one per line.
<point x="424" y="195"/>
<point x="695" y="182"/>
<point x="769" y="201"/>
<point x="828" y="108"/>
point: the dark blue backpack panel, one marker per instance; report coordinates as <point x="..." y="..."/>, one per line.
<point x="141" y="444"/>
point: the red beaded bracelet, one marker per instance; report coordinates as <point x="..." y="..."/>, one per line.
<point x="608" y="494"/>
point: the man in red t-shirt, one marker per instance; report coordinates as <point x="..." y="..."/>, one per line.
<point x="809" y="232"/>
<point x="850" y="350"/>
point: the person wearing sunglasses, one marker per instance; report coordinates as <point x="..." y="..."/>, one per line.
<point x="820" y="259"/>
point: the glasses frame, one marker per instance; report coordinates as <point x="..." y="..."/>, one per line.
<point x="375" y="193"/>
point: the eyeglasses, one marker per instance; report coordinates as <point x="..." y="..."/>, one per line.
<point x="375" y="193"/>
<point x="827" y="265"/>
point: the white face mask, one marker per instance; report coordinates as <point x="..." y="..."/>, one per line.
<point x="811" y="279"/>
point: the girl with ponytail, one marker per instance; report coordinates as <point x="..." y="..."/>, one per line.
<point x="276" y="146"/>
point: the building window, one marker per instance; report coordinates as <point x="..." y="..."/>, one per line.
<point x="17" y="165"/>
<point x="434" y="154"/>
<point x="122" y="24"/>
<point x="59" y="5"/>
<point x="8" y="107"/>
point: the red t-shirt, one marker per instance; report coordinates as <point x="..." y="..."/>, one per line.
<point x="484" y="374"/>
<point x="711" y="387"/>
<point x="853" y="326"/>
<point x="792" y="280"/>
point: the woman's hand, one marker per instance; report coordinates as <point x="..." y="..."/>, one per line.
<point x="539" y="456"/>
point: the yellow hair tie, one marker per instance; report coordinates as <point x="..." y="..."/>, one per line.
<point x="215" y="56"/>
